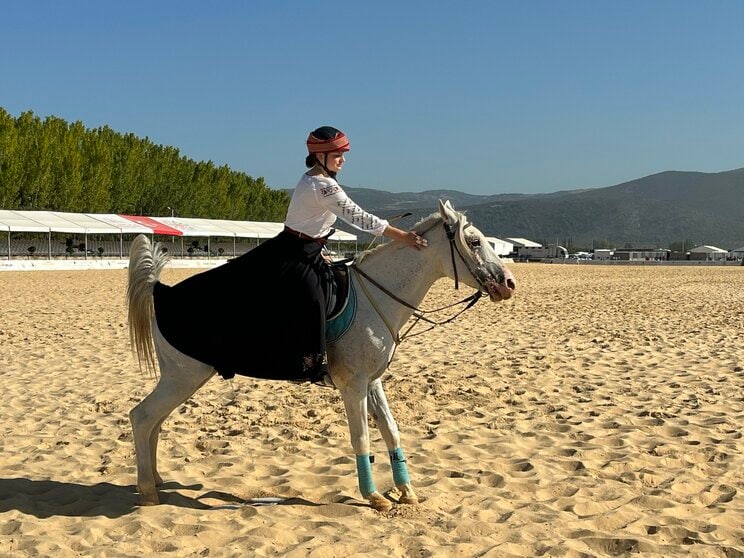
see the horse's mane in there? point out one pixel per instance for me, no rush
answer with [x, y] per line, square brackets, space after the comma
[427, 222]
[423, 225]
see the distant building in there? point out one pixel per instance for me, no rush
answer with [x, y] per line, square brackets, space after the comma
[603, 254]
[641, 254]
[523, 243]
[737, 253]
[542, 252]
[525, 249]
[501, 247]
[708, 254]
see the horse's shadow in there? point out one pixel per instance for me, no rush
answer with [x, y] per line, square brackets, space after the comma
[49, 498]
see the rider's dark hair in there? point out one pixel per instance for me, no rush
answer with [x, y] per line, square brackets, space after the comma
[310, 160]
[326, 133]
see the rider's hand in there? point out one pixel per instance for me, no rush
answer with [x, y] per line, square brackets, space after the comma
[416, 241]
[409, 238]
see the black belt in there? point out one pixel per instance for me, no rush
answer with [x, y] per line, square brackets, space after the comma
[303, 236]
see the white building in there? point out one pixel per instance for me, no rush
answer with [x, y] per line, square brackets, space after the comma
[708, 254]
[501, 247]
[738, 253]
[523, 243]
[603, 254]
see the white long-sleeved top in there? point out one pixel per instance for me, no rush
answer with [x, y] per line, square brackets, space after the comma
[316, 203]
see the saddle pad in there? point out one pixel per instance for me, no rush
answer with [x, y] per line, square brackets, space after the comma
[338, 326]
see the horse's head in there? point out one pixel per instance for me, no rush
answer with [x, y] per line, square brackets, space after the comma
[472, 260]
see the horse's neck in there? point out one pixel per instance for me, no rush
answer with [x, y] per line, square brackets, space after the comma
[405, 272]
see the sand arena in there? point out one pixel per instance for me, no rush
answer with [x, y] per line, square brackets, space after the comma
[596, 413]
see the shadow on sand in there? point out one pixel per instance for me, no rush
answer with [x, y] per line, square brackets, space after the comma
[49, 498]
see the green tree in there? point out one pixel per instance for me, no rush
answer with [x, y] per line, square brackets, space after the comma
[66, 167]
[98, 154]
[31, 157]
[10, 161]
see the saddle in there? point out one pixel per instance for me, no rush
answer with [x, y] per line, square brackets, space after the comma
[343, 306]
[336, 288]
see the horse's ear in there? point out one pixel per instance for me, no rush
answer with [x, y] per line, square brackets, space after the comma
[447, 212]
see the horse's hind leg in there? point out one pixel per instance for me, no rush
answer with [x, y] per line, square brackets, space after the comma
[180, 377]
[379, 408]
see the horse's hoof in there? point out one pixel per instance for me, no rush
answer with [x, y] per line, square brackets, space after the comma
[379, 502]
[408, 499]
[149, 499]
[407, 495]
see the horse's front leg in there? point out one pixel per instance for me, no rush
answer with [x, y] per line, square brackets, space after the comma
[389, 430]
[355, 401]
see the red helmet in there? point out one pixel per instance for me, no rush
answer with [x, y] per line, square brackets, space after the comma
[327, 139]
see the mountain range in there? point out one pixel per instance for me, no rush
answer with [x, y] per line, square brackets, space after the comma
[654, 211]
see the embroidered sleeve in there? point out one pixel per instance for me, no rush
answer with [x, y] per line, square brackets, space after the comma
[335, 200]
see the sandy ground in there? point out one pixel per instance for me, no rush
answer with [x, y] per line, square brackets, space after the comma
[598, 413]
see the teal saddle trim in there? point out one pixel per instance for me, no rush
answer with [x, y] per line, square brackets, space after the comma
[338, 326]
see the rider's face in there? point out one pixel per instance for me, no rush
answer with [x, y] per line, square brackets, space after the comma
[334, 161]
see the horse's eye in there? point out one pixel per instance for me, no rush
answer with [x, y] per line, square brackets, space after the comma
[474, 242]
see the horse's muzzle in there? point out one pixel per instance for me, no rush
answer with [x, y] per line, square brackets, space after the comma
[503, 287]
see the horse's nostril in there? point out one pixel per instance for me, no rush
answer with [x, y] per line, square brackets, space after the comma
[511, 284]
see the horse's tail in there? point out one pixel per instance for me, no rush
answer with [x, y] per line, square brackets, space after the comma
[145, 264]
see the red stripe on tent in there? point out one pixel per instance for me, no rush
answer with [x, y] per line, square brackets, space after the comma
[156, 226]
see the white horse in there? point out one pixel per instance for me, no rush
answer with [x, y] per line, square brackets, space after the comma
[394, 280]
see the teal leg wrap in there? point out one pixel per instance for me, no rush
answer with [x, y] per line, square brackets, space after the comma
[364, 474]
[400, 471]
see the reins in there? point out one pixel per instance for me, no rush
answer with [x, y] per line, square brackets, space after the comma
[418, 313]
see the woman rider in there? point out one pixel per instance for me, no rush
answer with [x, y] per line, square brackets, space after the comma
[272, 324]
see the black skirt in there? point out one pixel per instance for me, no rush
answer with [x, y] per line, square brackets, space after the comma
[262, 314]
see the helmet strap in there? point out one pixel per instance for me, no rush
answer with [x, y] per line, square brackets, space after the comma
[325, 156]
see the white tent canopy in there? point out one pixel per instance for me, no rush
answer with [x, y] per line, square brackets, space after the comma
[196, 227]
[57, 222]
[118, 222]
[91, 224]
[103, 224]
[342, 236]
[255, 229]
[16, 221]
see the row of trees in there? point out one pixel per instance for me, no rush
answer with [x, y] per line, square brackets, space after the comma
[54, 165]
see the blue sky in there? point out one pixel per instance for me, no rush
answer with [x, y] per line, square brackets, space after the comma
[478, 96]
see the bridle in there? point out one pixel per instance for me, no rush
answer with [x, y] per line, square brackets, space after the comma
[451, 235]
[419, 314]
